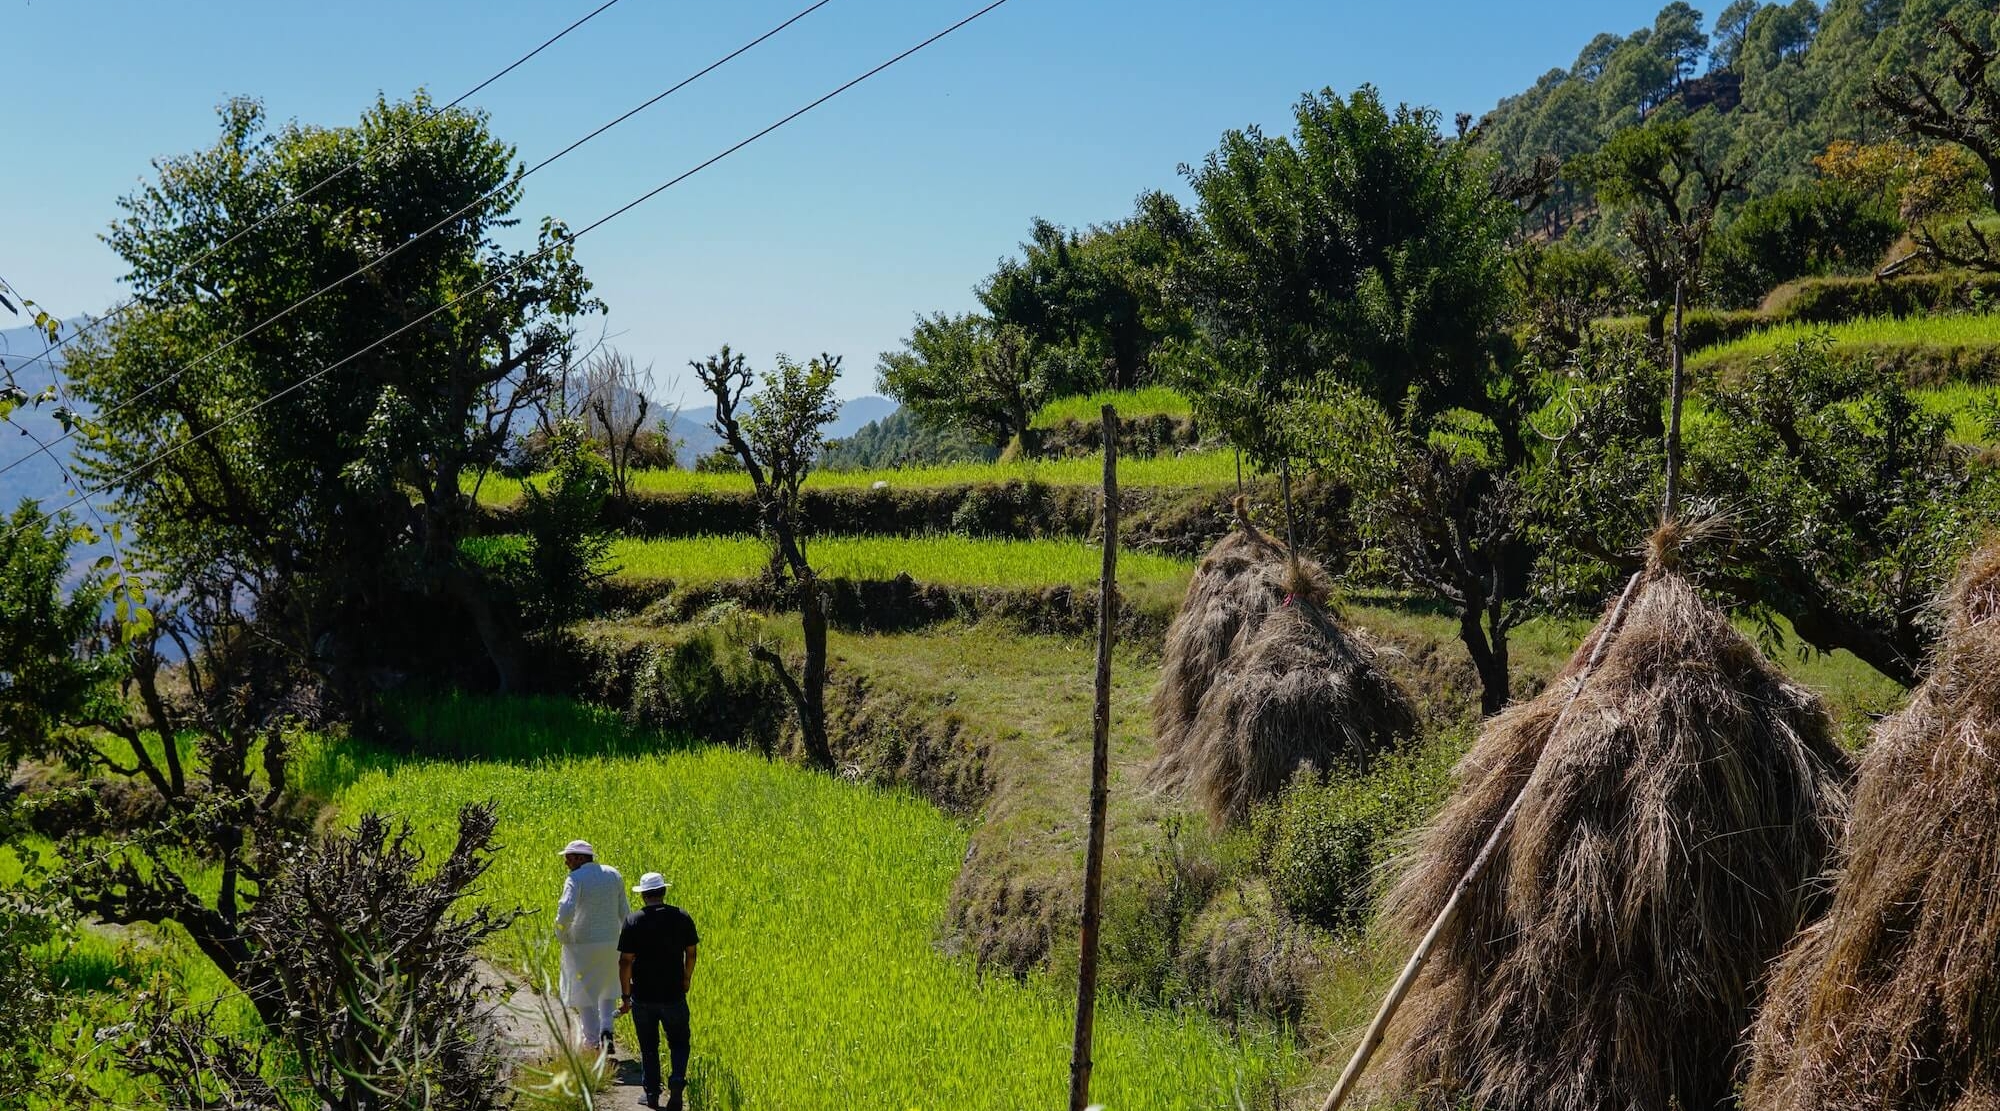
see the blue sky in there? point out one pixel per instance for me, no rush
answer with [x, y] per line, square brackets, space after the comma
[830, 234]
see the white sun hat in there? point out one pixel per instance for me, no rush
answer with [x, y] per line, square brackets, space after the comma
[580, 848]
[650, 882]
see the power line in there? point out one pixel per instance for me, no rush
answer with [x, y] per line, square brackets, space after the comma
[293, 202]
[392, 252]
[614, 214]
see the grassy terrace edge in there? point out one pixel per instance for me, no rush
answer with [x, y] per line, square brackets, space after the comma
[940, 560]
[1936, 334]
[1146, 401]
[1194, 469]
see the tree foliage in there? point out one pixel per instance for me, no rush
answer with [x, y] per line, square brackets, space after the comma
[984, 379]
[1366, 246]
[311, 470]
[1825, 494]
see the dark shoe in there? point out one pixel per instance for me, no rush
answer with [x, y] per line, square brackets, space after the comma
[674, 1100]
[605, 1043]
[652, 1099]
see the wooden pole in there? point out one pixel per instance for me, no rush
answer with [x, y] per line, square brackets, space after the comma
[1677, 391]
[1376, 1029]
[1100, 771]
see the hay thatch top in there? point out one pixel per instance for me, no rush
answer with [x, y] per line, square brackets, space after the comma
[1671, 819]
[1892, 1001]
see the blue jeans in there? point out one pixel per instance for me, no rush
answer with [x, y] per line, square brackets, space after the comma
[647, 1021]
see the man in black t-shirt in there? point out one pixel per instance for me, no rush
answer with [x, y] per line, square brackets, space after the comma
[655, 967]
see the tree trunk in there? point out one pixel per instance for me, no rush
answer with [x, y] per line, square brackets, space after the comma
[812, 713]
[501, 649]
[1489, 659]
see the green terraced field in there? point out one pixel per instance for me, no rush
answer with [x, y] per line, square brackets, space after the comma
[1147, 401]
[819, 901]
[1932, 337]
[1195, 469]
[941, 560]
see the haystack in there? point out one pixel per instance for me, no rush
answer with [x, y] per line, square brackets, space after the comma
[1240, 580]
[1892, 1001]
[1302, 691]
[1609, 955]
[1259, 679]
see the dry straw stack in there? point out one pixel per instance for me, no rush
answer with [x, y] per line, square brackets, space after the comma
[1892, 1001]
[1259, 679]
[1608, 957]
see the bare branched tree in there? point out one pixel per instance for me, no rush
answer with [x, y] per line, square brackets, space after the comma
[1962, 108]
[777, 441]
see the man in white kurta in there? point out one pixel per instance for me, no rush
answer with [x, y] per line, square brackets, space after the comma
[592, 911]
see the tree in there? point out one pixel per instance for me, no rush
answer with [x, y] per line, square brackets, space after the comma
[1830, 496]
[777, 442]
[1668, 181]
[984, 379]
[1678, 37]
[313, 470]
[1368, 246]
[1726, 45]
[1099, 293]
[1961, 108]
[610, 396]
[1347, 284]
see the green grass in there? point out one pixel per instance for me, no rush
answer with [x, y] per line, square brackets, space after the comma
[1147, 401]
[818, 902]
[1194, 469]
[942, 560]
[1935, 334]
[1960, 402]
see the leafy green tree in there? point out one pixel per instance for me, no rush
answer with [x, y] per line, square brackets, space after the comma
[1797, 233]
[1668, 180]
[1349, 284]
[778, 440]
[567, 551]
[1828, 496]
[311, 473]
[986, 380]
[1367, 246]
[1726, 46]
[1101, 293]
[1678, 37]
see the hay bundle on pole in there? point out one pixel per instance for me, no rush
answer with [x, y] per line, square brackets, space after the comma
[1673, 803]
[1240, 580]
[1892, 1001]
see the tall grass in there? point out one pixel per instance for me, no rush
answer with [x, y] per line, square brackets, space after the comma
[1933, 333]
[820, 984]
[944, 560]
[1146, 401]
[1195, 469]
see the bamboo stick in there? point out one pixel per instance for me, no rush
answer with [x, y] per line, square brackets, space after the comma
[1100, 770]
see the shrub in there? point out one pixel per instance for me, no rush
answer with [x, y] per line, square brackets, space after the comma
[1326, 837]
[1818, 230]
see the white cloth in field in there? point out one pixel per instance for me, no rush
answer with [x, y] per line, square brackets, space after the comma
[592, 911]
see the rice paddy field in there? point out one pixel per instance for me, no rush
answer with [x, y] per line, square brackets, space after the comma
[1147, 401]
[1937, 336]
[820, 982]
[943, 560]
[1194, 469]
